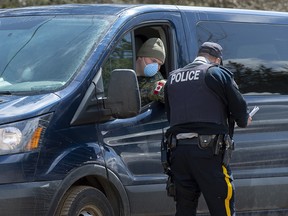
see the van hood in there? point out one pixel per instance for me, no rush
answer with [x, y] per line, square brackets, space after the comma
[14, 108]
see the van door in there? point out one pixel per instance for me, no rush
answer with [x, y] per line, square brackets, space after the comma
[134, 144]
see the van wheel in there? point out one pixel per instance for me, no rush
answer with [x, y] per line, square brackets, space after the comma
[85, 201]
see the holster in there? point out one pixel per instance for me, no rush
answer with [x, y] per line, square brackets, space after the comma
[170, 187]
[218, 147]
[229, 147]
[165, 155]
[166, 146]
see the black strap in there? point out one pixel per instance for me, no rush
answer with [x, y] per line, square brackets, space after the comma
[231, 125]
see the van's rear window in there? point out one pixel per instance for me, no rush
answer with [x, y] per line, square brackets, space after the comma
[256, 53]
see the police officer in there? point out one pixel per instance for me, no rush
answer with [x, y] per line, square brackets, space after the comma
[150, 57]
[200, 98]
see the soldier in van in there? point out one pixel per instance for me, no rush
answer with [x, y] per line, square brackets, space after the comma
[150, 57]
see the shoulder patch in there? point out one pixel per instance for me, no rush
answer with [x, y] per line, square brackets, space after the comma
[160, 84]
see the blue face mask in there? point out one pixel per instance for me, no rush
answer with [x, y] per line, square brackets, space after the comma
[151, 69]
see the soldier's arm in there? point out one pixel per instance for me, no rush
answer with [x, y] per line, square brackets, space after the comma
[156, 91]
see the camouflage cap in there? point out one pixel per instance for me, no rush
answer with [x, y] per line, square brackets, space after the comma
[153, 48]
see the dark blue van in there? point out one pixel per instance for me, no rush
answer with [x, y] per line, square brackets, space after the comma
[74, 139]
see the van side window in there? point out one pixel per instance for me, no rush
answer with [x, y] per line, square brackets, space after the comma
[120, 58]
[124, 55]
[256, 54]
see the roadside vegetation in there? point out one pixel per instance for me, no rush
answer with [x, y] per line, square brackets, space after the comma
[273, 5]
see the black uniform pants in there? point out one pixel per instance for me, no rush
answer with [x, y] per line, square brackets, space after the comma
[197, 171]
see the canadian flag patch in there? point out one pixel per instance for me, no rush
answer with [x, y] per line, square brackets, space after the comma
[158, 88]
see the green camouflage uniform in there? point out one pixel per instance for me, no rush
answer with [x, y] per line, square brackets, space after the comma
[151, 88]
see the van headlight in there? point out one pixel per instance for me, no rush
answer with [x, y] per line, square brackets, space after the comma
[22, 136]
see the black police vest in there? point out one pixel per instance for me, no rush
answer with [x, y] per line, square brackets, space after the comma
[191, 100]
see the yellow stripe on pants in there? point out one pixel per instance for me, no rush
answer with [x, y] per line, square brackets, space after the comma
[229, 192]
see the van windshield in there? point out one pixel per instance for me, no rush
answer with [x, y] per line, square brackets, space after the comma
[43, 53]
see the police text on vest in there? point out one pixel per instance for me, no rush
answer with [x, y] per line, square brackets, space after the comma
[185, 76]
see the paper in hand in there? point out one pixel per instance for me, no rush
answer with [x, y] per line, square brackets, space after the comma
[255, 109]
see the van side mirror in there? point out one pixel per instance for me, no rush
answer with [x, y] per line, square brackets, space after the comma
[122, 101]
[123, 97]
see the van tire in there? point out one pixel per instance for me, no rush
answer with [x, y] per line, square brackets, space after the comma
[85, 200]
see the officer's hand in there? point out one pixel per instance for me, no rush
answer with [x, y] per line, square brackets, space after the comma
[249, 120]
